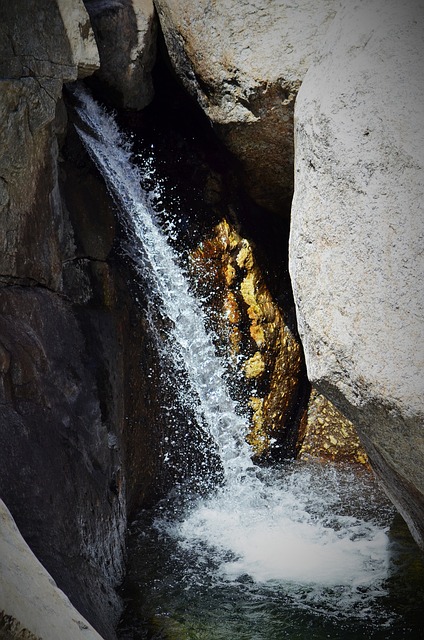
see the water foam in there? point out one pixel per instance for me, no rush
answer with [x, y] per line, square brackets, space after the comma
[302, 530]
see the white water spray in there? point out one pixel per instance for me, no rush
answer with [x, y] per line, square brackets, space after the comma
[155, 259]
[275, 529]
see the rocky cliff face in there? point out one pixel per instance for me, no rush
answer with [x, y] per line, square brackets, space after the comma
[357, 233]
[71, 337]
[244, 63]
[65, 410]
[60, 471]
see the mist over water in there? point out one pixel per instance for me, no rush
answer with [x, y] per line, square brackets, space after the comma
[302, 537]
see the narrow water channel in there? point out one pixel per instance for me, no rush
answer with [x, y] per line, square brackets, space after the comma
[299, 550]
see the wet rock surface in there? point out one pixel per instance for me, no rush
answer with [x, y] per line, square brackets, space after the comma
[261, 344]
[61, 465]
[61, 472]
[287, 419]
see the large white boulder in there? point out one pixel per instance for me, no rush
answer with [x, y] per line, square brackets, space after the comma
[243, 61]
[31, 605]
[357, 238]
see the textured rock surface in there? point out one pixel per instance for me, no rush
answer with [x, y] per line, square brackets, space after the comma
[39, 50]
[84, 51]
[117, 338]
[61, 401]
[36, 608]
[244, 62]
[50, 41]
[356, 254]
[286, 419]
[126, 37]
[61, 471]
[264, 349]
[326, 434]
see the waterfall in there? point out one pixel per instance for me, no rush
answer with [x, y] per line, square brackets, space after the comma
[188, 344]
[295, 526]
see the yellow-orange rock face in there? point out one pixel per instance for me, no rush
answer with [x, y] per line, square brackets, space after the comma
[246, 314]
[326, 433]
[266, 354]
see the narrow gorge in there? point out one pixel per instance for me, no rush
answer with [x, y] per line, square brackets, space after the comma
[211, 328]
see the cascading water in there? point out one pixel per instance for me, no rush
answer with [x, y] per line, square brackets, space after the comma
[192, 347]
[270, 553]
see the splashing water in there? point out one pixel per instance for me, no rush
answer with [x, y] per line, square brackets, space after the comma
[155, 261]
[320, 532]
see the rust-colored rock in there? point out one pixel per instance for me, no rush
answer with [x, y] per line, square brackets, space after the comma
[267, 356]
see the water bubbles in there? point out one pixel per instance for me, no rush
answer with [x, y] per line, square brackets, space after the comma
[284, 529]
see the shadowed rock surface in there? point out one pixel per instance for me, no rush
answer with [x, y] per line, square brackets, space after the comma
[125, 32]
[38, 52]
[244, 62]
[61, 473]
[61, 464]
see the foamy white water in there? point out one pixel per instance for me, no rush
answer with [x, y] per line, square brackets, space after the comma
[154, 258]
[318, 532]
[291, 528]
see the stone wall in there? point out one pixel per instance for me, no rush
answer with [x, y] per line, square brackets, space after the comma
[243, 62]
[357, 235]
[61, 340]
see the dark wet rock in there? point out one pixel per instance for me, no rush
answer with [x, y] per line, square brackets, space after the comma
[61, 473]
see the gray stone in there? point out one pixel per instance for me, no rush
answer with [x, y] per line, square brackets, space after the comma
[42, 45]
[244, 61]
[356, 246]
[59, 402]
[79, 32]
[125, 31]
[31, 227]
[31, 605]
[46, 39]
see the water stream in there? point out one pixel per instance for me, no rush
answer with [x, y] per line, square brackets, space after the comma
[296, 551]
